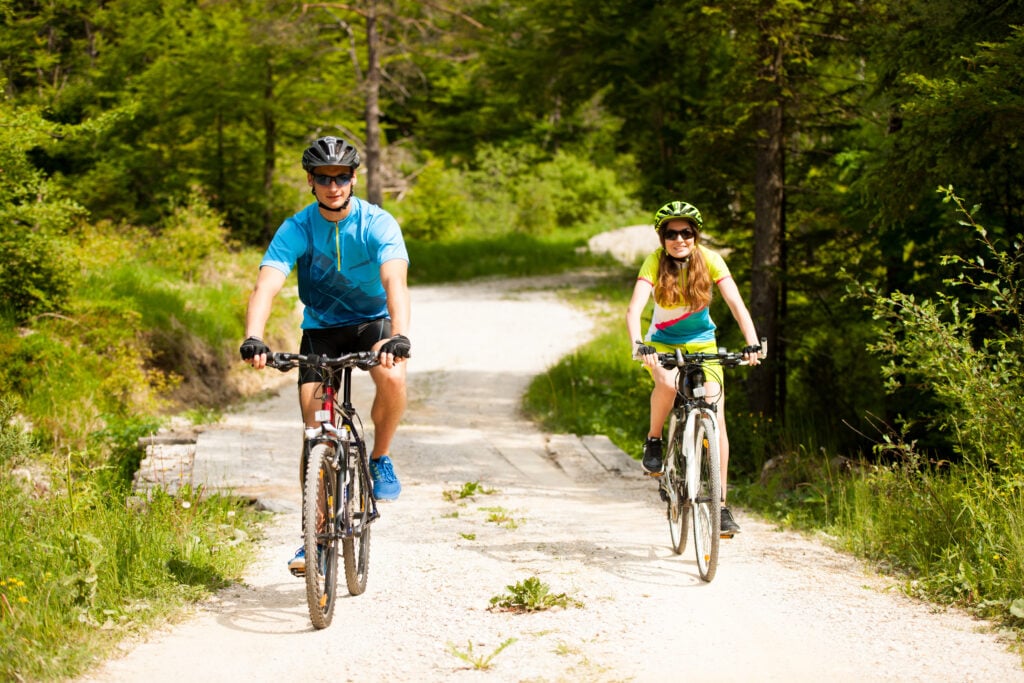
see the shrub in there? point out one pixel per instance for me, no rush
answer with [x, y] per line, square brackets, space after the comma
[36, 263]
[436, 207]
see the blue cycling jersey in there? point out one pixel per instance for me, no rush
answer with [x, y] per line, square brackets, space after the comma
[338, 264]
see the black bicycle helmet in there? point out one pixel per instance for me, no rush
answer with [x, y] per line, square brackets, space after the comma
[329, 151]
[674, 210]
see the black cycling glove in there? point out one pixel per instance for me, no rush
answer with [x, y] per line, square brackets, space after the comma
[252, 347]
[756, 348]
[640, 349]
[398, 346]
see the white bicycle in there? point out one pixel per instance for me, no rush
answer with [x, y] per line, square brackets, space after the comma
[692, 481]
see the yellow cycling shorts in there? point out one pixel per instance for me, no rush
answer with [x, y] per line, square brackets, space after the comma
[712, 371]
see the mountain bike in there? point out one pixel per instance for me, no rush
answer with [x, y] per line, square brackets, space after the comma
[692, 482]
[337, 491]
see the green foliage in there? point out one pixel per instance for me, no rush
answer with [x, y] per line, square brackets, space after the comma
[964, 348]
[514, 189]
[82, 568]
[479, 662]
[532, 595]
[469, 490]
[955, 527]
[191, 240]
[37, 269]
[436, 206]
[16, 443]
[500, 516]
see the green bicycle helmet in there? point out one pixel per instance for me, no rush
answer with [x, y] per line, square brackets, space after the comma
[674, 210]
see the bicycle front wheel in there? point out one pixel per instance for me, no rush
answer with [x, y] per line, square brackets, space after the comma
[359, 508]
[319, 530]
[707, 516]
[674, 486]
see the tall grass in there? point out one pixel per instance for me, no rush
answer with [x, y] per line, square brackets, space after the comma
[81, 569]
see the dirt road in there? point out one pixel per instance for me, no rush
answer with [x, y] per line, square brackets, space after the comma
[781, 608]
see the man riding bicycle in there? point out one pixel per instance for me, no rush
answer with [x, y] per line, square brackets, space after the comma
[352, 268]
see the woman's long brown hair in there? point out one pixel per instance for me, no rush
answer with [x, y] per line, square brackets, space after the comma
[671, 292]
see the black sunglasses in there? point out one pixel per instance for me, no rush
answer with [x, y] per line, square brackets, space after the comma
[342, 179]
[685, 233]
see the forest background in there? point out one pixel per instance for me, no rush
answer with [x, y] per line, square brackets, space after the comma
[860, 162]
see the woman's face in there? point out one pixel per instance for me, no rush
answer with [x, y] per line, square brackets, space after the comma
[679, 237]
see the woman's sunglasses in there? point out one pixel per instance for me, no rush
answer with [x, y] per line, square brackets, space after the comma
[685, 234]
[342, 179]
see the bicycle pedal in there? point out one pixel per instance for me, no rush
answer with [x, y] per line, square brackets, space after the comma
[298, 573]
[653, 474]
[727, 534]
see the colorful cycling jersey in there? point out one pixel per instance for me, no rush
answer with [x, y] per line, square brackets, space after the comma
[682, 325]
[338, 264]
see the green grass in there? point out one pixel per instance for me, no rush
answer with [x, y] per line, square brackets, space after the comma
[479, 662]
[469, 490]
[505, 255]
[81, 569]
[597, 389]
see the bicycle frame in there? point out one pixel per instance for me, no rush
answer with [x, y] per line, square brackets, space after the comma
[337, 427]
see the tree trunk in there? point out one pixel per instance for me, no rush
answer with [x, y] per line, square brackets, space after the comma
[374, 191]
[769, 198]
[269, 152]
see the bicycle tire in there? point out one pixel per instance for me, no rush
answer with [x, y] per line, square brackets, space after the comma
[355, 548]
[678, 510]
[320, 538]
[707, 516]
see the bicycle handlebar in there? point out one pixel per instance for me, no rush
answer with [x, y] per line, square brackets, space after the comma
[729, 359]
[364, 360]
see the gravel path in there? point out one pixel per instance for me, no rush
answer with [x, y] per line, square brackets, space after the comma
[781, 608]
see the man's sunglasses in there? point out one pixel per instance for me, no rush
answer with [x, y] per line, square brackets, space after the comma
[342, 179]
[685, 233]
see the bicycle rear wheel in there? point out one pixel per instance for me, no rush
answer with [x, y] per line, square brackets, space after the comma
[319, 528]
[359, 506]
[674, 484]
[707, 516]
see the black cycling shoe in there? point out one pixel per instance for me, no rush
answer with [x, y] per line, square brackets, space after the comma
[729, 526]
[652, 462]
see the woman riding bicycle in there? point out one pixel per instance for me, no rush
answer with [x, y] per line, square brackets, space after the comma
[680, 274]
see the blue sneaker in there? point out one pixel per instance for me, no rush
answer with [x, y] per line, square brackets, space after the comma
[385, 483]
[297, 565]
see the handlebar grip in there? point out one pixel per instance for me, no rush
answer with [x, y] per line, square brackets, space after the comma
[764, 348]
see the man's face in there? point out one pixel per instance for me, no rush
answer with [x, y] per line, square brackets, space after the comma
[332, 184]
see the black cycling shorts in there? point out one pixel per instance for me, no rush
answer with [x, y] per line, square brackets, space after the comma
[335, 341]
